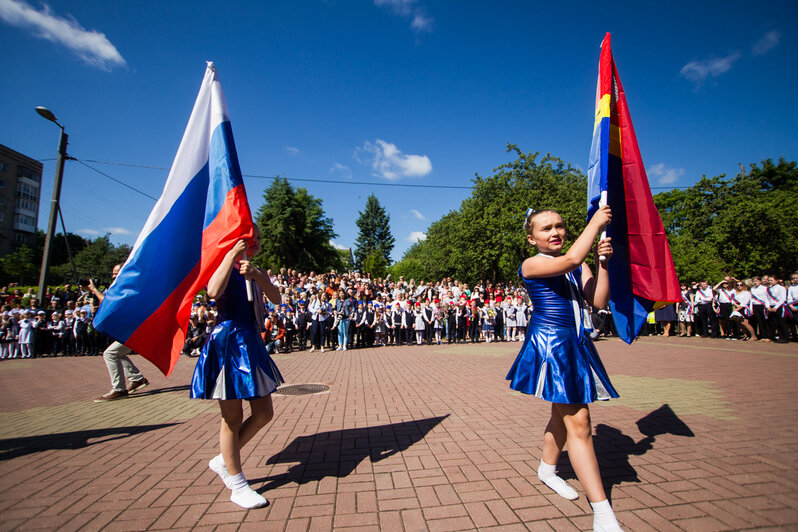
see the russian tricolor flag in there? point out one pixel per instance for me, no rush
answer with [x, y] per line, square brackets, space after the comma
[202, 213]
[642, 274]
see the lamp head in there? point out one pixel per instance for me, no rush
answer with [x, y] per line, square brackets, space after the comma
[47, 114]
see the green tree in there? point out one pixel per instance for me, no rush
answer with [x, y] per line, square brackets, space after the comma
[97, 259]
[59, 255]
[742, 226]
[18, 267]
[375, 264]
[375, 233]
[411, 264]
[295, 233]
[485, 239]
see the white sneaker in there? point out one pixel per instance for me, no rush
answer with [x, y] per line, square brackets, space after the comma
[217, 466]
[344, 348]
[312, 349]
[561, 487]
[248, 498]
[321, 349]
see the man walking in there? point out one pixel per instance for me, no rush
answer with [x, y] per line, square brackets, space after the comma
[119, 364]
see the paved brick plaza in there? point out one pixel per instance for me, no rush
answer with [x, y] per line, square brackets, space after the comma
[704, 437]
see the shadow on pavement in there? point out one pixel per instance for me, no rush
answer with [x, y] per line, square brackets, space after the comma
[613, 447]
[155, 391]
[337, 453]
[15, 447]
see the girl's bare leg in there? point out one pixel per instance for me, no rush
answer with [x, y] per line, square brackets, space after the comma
[576, 419]
[553, 441]
[236, 432]
[748, 328]
[554, 438]
[229, 434]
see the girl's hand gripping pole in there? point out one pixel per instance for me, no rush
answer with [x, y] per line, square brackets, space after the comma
[248, 282]
[602, 203]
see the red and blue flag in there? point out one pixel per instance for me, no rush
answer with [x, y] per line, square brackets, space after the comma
[641, 271]
[201, 214]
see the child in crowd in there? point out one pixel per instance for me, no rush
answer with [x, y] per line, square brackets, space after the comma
[234, 366]
[420, 323]
[25, 337]
[520, 319]
[558, 361]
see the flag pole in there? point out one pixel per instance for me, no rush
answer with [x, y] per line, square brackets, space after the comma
[602, 203]
[250, 293]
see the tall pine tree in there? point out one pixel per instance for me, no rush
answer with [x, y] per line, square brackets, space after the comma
[375, 233]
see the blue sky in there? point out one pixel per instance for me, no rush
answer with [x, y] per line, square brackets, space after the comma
[386, 91]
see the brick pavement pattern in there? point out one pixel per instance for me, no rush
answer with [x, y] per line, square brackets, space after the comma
[704, 437]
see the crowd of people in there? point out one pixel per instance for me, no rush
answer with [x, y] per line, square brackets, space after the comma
[61, 327]
[350, 311]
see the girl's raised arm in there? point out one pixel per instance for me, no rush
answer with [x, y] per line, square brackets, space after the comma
[218, 281]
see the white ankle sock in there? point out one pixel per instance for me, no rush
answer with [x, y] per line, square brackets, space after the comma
[243, 495]
[217, 466]
[547, 475]
[604, 518]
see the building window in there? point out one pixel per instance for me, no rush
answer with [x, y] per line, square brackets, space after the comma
[24, 219]
[27, 172]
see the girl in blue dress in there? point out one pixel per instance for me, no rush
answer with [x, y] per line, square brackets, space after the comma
[234, 365]
[558, 362]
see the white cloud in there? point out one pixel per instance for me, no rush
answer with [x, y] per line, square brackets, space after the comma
[416, 236]
[389, 162]
[337, 246]
[769, 41]
[664, 174]
[421, 23]
[118, 231]
[417, 214]
[91, 46]
[408, 9]
[291, 150]
[698, 71]
[93, 232]
[341, 170]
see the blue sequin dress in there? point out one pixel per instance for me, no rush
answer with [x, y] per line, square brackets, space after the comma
[234, 363]
[558, 362]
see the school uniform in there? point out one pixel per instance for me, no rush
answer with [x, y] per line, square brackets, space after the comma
[473, 324]
[302, 320]
[290, 332]
[368, 328]
[25, 338]
[56, 328]
[725, 300]
[792, 300]
[408, 324]
[451, 325]
[80, 331]
[778, 312]
[704, 299]
[759, 304]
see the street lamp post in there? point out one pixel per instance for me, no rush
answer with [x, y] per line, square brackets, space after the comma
[59, 174]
